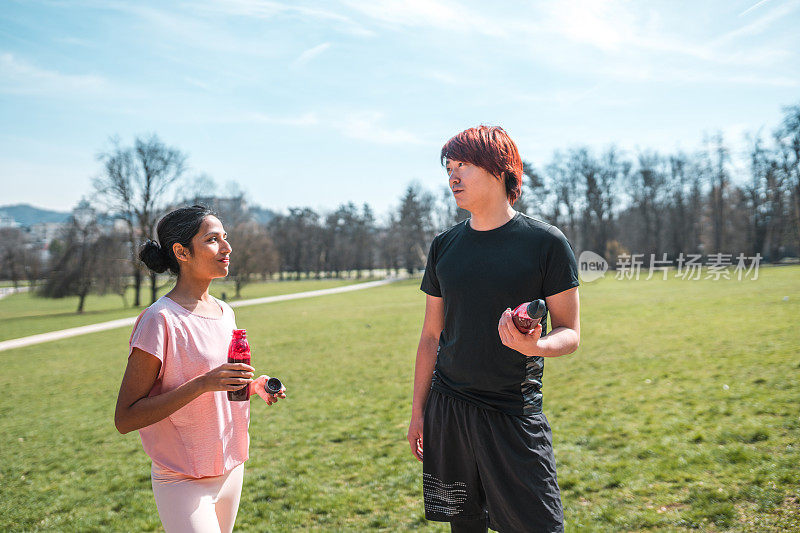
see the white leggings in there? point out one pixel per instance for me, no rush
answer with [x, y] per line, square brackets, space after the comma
[197, 505]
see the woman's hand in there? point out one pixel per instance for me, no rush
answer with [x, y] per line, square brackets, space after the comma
[259, 386]
[227, 377]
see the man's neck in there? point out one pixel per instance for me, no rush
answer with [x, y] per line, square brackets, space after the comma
[488, 219]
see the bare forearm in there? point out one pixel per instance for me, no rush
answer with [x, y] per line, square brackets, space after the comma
[560, 341]
[149, 410]
[423, 373]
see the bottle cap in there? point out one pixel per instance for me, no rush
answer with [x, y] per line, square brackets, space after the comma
[240, 333]
[274, 385]
[537, 309]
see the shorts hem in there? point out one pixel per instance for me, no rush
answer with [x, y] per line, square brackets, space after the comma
[493, 524]
[444, 518]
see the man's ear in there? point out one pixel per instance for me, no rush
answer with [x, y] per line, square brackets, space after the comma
[181, 252]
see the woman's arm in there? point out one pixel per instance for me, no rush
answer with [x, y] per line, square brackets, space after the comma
[423, 370]
[136, 410]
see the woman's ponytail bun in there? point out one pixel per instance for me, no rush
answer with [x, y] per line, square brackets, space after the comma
[152, 255]
[177, 227]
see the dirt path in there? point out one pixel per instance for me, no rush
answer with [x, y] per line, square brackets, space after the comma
[123, 322]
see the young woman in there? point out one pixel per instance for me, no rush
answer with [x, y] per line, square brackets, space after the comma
[174, 390]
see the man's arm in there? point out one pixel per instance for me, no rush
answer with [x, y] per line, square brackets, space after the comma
[565, 337]
[423, 370]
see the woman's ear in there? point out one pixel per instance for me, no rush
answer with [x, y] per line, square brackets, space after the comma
[181, 252]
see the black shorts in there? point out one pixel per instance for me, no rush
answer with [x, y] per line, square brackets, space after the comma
[478, 461]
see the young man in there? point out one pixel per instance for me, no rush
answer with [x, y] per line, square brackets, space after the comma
[487, 449]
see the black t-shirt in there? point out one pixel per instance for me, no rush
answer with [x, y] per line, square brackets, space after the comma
[479, 274]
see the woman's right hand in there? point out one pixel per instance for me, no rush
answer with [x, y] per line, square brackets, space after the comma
[228, 377]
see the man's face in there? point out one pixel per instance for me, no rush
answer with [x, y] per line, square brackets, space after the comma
[472, 186]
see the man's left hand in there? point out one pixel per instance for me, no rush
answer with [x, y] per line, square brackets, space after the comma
[525, 343]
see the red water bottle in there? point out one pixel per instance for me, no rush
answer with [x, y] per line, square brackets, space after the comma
[239, 352]
[526, 316]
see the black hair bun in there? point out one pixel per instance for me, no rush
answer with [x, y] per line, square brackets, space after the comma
[152, 255]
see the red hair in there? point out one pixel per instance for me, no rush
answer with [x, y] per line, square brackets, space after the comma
[490, 148]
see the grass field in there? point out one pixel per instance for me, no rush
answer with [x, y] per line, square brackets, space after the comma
[27, 314]
[679, 412]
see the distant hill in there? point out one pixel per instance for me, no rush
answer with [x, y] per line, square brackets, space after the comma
[27, 215]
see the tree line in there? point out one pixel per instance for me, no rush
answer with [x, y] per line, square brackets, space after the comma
[612, 203]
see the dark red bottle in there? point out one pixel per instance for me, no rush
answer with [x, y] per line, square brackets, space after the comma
[239, 352]
[527, 315]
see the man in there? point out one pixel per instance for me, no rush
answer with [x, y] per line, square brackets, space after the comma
[487, 448]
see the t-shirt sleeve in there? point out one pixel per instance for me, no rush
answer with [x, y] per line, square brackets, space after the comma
[430, 282]
[560, 266]
[150, 334]
[227, 309]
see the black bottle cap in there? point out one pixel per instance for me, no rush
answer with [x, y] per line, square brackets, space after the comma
[537, 309]
[274, 385]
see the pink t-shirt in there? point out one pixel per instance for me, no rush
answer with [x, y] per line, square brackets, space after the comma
[208, 436]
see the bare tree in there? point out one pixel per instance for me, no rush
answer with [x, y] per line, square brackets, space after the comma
[415, 228]
[446, 212]
[679, 229]
[647, 192]
[788, 140]
[135, 183]
[564, 186]
[89, 261]
[534, 192]
[717, 158]
[299, 239]
[364, 235]
[253, 253]
[12, 255]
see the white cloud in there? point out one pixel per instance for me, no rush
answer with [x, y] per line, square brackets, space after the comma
[310, 54]
[758, 26]
[613, 39]
[18, 76]
[367, 126]
[754, 6]
[440, 14]
[254, 117]
[266, 9]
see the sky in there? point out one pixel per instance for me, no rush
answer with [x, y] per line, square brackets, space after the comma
[322, 103]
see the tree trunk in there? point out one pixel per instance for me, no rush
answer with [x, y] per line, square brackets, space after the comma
[81, 300]
[153, 288]
[137, 287]
[238, 286]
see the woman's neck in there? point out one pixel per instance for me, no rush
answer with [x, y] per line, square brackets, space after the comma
[189, 289]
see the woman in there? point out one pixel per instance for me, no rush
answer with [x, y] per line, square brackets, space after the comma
[174, 387]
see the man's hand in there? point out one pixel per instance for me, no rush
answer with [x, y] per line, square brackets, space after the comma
[525, 343]
[259, 386]
[415, 436]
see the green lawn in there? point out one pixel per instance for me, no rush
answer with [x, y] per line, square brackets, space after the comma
[678, 412]
[27, 314]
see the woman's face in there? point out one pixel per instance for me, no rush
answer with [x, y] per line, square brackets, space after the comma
[209, 256]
